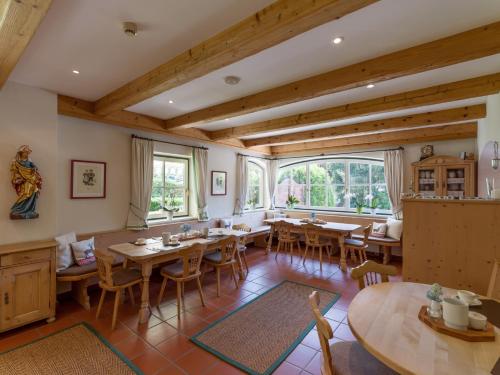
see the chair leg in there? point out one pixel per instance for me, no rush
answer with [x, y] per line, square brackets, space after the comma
[115, 309]
[305, 255]
[162, 290]
[291, 251]
[245, 261]
[182, 289]
[277, 250]
[131, 295]
[217, 272]
[200, 290]
[233, 269]
[320, 249]
[299, 247]
[101, 301]
[179, 299]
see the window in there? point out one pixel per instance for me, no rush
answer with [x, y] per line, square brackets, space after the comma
[255, 195]
[170, 187]
[334, 184]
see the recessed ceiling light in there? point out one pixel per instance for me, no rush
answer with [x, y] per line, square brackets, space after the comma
[76, 72]
[370, 86]
[171, 102]
[338, 40]
[232, 80]
[226, 119]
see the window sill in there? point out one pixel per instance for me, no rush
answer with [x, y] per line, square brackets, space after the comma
[340, 213]
[262, 209]
[157, 222]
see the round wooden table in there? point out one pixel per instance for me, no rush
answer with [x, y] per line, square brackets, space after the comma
[384, 319]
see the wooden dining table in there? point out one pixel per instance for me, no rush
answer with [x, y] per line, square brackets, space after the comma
[384, 319]
[155, 253]
[336, 230]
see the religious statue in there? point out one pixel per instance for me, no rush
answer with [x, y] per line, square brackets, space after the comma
[27, 182]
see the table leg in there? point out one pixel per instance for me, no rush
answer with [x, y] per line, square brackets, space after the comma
[343, 263]
[387, 254]
[270, 241]
[144, 311]
[240, 265]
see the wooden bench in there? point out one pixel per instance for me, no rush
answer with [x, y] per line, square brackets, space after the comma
[385, 244]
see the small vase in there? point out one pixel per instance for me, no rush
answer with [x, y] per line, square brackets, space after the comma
[359, 210]
[435, 309]
[170, 215]
[373, 211]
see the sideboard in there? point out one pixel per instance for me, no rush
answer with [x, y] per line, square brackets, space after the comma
[451, 242]
[27, 283]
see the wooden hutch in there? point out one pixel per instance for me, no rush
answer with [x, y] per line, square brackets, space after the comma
[444, 176]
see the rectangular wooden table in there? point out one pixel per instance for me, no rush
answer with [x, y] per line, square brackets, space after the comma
[332, 229]
[149, 255]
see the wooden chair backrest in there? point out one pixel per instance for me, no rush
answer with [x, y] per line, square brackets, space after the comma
[366, 233]
[104, 267]
[370, 273]
[191, 259]
[284, 230]
[494, 285]
[325, 333]
[243, 227]
[312, 233]
[228, 247]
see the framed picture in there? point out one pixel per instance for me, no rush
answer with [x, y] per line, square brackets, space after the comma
[88, 179]
[219, 183]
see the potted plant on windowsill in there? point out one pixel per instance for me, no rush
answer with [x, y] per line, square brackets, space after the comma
[253, 201]
[291, 201]
[372, 203]
[358, 202]
[171, 208]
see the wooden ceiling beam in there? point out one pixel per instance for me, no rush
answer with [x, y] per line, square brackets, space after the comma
[427, 134]
[472, 44]
[19, 20]
[466, 89]
[83, 109]
[446, 116]
[270, 26]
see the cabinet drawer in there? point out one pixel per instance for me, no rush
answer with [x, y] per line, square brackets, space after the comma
[24, 257]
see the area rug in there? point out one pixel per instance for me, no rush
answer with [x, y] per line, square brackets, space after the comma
[78, 350]
[258, 336]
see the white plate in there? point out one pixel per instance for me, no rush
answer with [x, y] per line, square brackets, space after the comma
[476, 302]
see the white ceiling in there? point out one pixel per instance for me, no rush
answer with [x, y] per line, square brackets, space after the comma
[86, 35]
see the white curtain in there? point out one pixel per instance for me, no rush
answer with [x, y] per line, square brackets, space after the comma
[241, 184]
[200, 158]
[393, 171]
[272, 181]
[141, 183]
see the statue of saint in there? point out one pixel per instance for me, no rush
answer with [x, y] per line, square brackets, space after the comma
[27, 182]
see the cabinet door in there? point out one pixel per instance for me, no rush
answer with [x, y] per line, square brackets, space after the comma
[25, 294]
[427, 180]
[455, 180]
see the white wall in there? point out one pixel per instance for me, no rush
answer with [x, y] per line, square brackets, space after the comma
[28, 116]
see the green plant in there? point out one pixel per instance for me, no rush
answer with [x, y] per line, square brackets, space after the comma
[373, 201]
[359, 203]
[435, 293]
[253, 201]
[292, 200]
[172, 203]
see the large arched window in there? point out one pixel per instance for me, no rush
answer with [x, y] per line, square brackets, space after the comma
[255, 194]
[334, 184]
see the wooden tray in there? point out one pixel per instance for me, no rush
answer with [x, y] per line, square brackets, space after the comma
[469, 335]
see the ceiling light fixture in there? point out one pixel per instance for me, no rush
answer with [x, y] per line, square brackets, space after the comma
[130, 29]
[370, 86]
[171, 102]
[76, 72]
[232, 80]
[338, 40]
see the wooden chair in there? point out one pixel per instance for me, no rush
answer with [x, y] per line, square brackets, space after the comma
[343, 358]
[358, 247]
[224, 258]
[494, 285]
[242, 249]
[314, 241]
[116, 281]
[286, 239]
[187, 269]
[372, 273]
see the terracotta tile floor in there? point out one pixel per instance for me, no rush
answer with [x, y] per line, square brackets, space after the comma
[162, 345]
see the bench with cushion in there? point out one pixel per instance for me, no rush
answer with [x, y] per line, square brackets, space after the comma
[385, 244]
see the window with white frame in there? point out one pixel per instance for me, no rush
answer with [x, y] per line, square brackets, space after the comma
[334, 184]
[170, 187]
[255, 194]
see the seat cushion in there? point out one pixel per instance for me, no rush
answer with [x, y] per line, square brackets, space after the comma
[377, 239]
[353, 242]
[124, 276]
[215, 257]
[174, 269]
[77, 270]
[350, 358]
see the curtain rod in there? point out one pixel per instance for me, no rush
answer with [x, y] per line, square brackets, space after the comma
[312, 156]
[172, 143]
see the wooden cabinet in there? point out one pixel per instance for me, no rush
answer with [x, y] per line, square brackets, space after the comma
[27, 283]
[445, 176]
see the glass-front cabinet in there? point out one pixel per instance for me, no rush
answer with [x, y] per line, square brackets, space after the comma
[444, 176]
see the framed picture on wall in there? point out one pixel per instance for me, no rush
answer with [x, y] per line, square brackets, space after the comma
[219, 183]
[88, 179]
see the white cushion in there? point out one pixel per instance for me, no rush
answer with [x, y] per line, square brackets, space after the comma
[394, 228]
[64, 258]
[226, 222]
[83, 251]
[379, 230]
